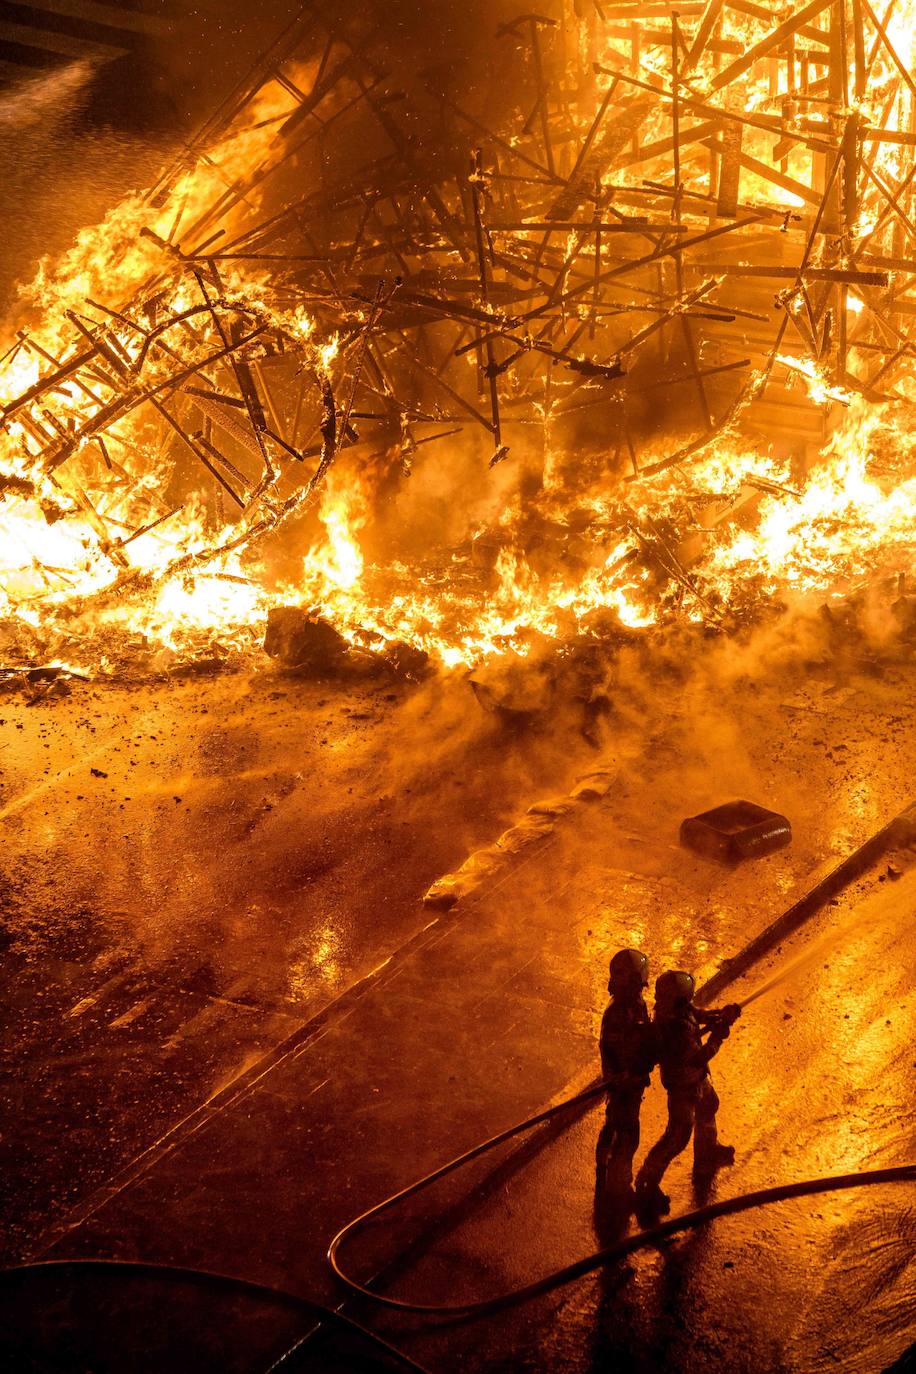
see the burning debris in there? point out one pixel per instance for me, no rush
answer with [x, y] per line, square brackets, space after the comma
[300, 640]
[205, 401]
[304, 640]
[41, 683]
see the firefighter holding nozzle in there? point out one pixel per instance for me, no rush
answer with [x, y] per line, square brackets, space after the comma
[687, 1039]
[628, 1056]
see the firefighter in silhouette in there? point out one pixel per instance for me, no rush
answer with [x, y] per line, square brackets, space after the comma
[684, 1056]
[628, 1057]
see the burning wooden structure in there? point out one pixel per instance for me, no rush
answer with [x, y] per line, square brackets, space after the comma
[661, 276]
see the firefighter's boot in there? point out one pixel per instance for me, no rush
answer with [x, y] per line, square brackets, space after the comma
[709, 1161]
[650, 1203]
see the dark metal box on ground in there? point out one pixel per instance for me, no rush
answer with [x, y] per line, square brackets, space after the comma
[738, 830]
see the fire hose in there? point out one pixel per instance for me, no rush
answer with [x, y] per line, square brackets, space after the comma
[762, 1197]
[688, 1221]
[211, 1278]
[651, 1236]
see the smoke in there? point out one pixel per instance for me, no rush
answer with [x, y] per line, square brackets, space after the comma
[57, 174]
[710, 708]
[451, 492]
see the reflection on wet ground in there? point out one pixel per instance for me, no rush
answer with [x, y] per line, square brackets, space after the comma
[817, 1078]
[78, 135]
[56, 174]
[191, 872]
[224, 873]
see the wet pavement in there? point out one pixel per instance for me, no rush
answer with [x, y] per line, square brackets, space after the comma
[238, 1093]
[817, 1079]
[193, 872]
[95, 127]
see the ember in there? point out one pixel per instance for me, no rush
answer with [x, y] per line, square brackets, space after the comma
[212, 400]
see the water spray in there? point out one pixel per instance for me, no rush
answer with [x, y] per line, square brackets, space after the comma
[858, 1178]
[829, 939]
[783, 974]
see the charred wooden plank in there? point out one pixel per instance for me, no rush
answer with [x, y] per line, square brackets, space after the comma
[198, 454]
[834, 274]
[729, 148]
[772, 40]
[594, 157]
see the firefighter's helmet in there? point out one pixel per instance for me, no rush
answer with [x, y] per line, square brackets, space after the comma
[629, 971]
[673, 992]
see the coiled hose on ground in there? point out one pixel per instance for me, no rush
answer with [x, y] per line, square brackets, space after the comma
[903, 1173]
[688, 1221]
[464, 1311]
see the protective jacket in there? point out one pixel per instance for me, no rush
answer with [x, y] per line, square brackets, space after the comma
[682, 1054]
[627, 1043]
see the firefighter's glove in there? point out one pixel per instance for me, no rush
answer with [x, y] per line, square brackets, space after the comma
[725, 1019]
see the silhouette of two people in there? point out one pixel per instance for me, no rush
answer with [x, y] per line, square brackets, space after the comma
[681, 1039]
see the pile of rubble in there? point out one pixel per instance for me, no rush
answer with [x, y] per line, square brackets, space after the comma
[303, 639]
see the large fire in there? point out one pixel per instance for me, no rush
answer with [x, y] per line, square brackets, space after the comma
[178, 389]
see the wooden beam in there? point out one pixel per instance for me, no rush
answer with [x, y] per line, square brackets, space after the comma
[705, 27]
[728, 147]
[770, 41]
[834, 274]
[892, 51]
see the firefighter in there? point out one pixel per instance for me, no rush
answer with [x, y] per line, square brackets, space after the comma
[628, 1057]
[684, 1057]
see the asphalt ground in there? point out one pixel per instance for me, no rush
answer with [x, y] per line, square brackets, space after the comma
[122, 1142]
[816, 1079]
[194, 871]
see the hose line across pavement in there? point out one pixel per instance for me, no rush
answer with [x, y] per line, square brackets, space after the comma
[900, 830]
[212, 1278]
[688, 1221]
